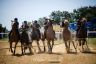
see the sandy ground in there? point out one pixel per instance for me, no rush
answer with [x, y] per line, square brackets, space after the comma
[59, 55]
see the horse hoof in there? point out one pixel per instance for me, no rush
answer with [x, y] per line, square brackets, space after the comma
[11, 51]
[50, 52]
[22, 53]
[14, 54]
[31, 53]
[44, 51]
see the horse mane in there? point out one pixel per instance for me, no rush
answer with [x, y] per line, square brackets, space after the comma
[14, 26]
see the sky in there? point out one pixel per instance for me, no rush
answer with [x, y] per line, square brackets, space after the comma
[34, 9]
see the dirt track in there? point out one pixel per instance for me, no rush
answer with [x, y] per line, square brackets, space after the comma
[59, 56]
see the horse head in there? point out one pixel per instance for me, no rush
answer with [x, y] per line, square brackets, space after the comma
[66, 23]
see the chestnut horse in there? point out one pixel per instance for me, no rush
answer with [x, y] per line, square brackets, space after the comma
[67, 36]
[50, 36]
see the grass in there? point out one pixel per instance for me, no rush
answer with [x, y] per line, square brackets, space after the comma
[92, 41]
[4, 39]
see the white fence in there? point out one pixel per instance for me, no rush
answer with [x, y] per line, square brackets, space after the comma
[2, 34]
[58, 34]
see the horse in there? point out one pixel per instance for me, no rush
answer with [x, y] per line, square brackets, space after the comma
[14, 37]
[50, 36]
[35, 37]
[25, 43]
[67, 37]
[81, 38]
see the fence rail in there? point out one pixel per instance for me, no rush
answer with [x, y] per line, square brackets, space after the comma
[3, 34]
[58, 34]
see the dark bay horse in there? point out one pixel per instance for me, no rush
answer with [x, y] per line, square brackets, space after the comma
[35, 37]
[67, 36]
[14, 37]
[81, 33]
[25, 43]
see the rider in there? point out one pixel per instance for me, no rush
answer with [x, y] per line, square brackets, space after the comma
[25, 25]
[15, 22]
[37, 27]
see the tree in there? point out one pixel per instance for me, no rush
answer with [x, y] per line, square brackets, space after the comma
[58, 15]
[89, 12]
[41, 21]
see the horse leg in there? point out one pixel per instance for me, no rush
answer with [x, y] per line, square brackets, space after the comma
[52, 44]
[15, 47]
[50, 47]
[74, 46]
[44, 46]
[66, 46]
[82, 46]
[11, 47]
[30, 48]
[79, 43]
[69, 45]
[22, 48]
[86, 44]
[38, 46]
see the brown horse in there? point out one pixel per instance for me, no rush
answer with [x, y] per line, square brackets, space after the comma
[67, 36]
[50, 36]
[14, 37]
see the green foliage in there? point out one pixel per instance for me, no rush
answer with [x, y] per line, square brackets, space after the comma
[41, 21]
[89, 12]
[57, 16]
